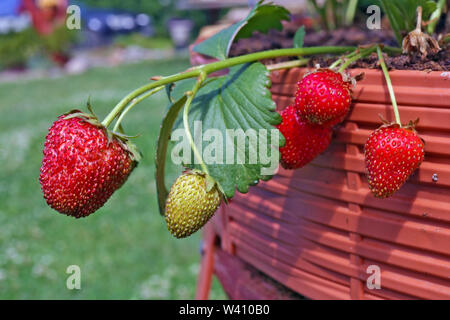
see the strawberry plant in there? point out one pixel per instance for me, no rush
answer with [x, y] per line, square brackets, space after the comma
[393, 151]
[85, 160]
[335, 13]
[402, 15]
[418, 42]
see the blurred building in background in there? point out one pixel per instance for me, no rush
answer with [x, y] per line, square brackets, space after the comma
[100, 25]
[36, 28]
[46, 15]
[292, 5]
[11, 19]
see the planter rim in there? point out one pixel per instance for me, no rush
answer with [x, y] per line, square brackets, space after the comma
[444, 74]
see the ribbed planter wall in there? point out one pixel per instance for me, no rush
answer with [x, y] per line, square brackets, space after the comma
[316, 230]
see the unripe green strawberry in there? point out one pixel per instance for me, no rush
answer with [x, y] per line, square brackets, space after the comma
[189, 205]
[392, 154]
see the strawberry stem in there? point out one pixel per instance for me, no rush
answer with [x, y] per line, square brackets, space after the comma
[187, 106]
[288, 64]
[343, 59]
[134, 102]
[419, 19]
[195, 72]
[389, 85]
[362, 54]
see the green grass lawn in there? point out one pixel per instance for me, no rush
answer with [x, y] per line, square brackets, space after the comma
[124, 250]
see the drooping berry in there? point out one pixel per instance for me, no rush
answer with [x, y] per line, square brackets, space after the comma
[323, 97]
[392, 154]
[82, 166]
[304, 141]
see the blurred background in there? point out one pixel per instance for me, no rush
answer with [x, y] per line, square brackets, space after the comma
[46, 69]
[124, 250]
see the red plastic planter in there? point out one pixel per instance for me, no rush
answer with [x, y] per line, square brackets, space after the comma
[316, 230]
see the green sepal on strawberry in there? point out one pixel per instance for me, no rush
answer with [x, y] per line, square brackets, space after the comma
[392, 154]
[304, 141]
[323, 97]
[83, 164]
[120, 137]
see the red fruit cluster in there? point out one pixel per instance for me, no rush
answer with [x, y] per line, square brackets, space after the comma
[82, 166]
[304, 141]
[323, 97]
[322, 100]
[392, 154]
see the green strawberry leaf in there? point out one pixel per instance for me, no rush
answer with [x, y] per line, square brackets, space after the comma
[408, 9]
[262, 17]
[232, 105]
[402, 14]
[395, 18]
[299, 37]
[428, 8]
[161, 150]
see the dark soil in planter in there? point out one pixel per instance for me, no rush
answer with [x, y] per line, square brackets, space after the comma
[342, 37]
[438, 62]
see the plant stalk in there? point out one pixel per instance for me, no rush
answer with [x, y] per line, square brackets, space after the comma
[362, 54]
[435, 16]
[342, 60]
[350, 12]
[387, 6]
[134, 102]
[187, 106]
[330, 9]
[389, 85]
[419, 19]
[195, 72]
[287, 64]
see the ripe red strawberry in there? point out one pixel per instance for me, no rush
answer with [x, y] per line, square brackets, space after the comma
[304, 141]
[323, 97]
[82, 165]
[392, 154]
